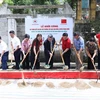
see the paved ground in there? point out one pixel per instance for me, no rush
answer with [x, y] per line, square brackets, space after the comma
[59, 66]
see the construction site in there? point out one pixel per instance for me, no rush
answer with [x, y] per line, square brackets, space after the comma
[47, 74]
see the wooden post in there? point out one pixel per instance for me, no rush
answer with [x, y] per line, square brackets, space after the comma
[92, 12]
[79, 10]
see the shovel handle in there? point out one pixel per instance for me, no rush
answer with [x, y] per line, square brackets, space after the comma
[51, 56]
[77, 55]
[52, 53]
[98, 76]
[35, 59]
[61, 54]
[25, 55]
[12, 52]
[92, 62]
[94, 65]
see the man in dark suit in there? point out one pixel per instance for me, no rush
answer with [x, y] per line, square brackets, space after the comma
[48, 48]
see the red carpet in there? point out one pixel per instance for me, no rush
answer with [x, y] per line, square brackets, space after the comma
[48, 74]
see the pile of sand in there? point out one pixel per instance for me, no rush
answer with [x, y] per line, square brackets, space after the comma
[37, 84]
[23, 84]
[0, 82]
[66, 85]
[6, 82]
[94, 84]
[50, 85]
[81, 85]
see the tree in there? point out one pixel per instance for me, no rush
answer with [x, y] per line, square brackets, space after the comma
[46, 2]
[95, 24]
[19, 2]
[32, 2]
[10, 2]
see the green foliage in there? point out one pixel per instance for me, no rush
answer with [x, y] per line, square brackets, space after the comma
[31, 2]
[46, 2]
[10, 2]
[95, 24]
[22, 2]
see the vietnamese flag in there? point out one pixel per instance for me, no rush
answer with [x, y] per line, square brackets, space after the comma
[63, 21]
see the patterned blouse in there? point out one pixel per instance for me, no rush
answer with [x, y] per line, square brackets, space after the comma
[91, 47]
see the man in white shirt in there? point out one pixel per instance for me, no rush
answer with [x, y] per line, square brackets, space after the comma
[16, 46]
[3, 54]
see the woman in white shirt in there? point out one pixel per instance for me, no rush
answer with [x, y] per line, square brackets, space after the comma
[16, 46]
[3, 54]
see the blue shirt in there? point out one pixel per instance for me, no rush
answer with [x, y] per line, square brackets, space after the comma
[79, 43]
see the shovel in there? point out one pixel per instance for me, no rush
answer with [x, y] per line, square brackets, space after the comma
[48, 66]
[24, 83]
[65, 67]
[11, 65]
[20, 65]
[82, 67]
[98, 75]
[35, 60]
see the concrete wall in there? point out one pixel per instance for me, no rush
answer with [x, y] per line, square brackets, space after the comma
[20, 30]
[4, 10]
[4, 29]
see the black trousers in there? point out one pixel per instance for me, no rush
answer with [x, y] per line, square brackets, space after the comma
[17, 58]
[98, 59]
[47, 56]
[4, 60]
[66, 57]
[25, 64]
[37, 64]
[90, 65]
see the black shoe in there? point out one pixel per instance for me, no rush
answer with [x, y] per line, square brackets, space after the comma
[14, 67]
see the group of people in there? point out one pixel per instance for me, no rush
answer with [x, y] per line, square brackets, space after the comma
[30, 51]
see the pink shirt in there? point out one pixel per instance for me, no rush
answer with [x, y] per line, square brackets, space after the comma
[25, 45]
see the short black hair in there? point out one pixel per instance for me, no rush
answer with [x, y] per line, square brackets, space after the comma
[76, 33]
[0, 38]
[13, 32]
[26, 36]
[92, 39]
[65, 34]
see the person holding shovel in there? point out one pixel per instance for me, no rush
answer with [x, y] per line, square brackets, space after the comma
[35, 49]
[3, 54]
[48, 48]
[91, 50]
[78, 44]
[26, 44]
[97, 38]
[16, 47]
[66, 45]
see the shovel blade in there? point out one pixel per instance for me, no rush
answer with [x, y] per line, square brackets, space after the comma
[47, 66]
[81, 68]
[65, 67]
